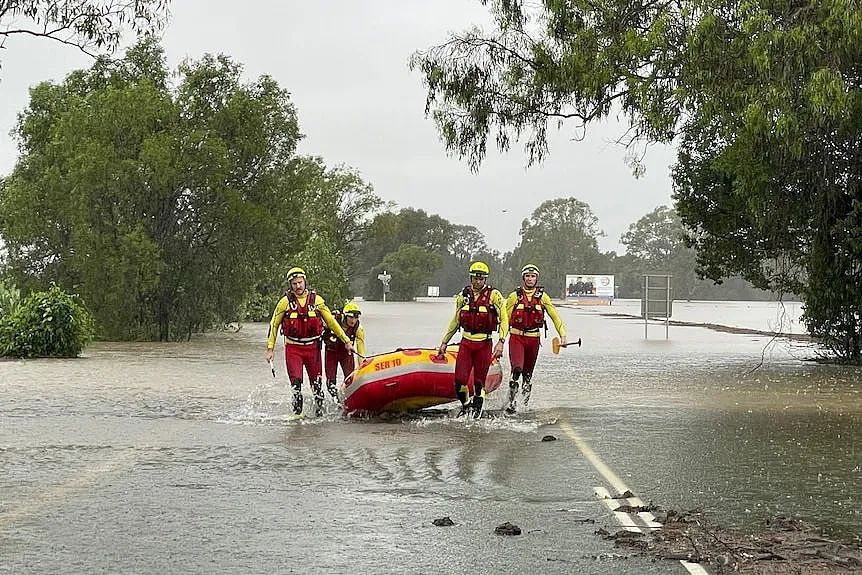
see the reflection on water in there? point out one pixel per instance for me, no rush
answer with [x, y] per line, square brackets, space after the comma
[185, 450]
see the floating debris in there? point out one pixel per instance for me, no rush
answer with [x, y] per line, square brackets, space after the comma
[787, 546]
[606, 557]
[507, 529]
[443, 522]
[622, 534]
[637, 508]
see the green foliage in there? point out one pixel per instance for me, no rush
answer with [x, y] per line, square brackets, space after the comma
[763, 98]
[834, 296]
[453, 245]
[10, 297]
[453, 273]
[767, 180]
[389, 232]
[411, 268]
[326, 221]
[560, 236]
[161, 205]
[92, 26]
[565, 61]
[465, 245]
[655, 238]
[656, 243]
[258, 307]
[46, 324]
[334, 221]
[326, 268]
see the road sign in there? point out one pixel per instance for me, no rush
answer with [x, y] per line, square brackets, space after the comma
[384, 279]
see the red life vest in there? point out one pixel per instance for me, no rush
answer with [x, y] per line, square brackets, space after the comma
[529, 313]
[329, 336]
[478, 314]
[302, 323]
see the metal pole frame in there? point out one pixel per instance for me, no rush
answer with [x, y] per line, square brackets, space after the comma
[667, 309]
[646, 306]
[647, 310]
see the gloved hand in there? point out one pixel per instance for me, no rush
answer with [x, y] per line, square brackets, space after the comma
[498, 350]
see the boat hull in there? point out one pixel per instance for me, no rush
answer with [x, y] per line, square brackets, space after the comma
[407, 380]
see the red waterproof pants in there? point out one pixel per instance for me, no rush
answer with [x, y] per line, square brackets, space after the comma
[523, 351]
[298, 356]
[475, 355]
[337, 355]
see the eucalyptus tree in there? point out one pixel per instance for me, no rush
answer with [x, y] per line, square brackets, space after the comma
[656, 242]
[560, 237]
[763, 100]
[92, 26]
[331, 211]
[389, 232]
[161, 206]
[411, 268]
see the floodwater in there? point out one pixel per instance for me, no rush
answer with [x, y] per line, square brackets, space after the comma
[178, 458]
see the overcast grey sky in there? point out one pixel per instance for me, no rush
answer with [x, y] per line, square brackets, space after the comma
[345, 64]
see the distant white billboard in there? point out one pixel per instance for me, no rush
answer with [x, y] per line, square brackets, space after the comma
[594, 288]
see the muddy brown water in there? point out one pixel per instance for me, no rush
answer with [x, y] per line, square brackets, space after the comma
[178, 458]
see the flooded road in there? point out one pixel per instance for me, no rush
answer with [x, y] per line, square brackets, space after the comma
[178, 458]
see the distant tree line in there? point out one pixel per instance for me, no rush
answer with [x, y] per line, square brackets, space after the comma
[561, 237]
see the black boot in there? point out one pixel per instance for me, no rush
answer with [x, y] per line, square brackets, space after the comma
[333, 390]
[478, 402]
[513, 396]
[317, 390]
[296, 385]
[463, 395]
[527, 388]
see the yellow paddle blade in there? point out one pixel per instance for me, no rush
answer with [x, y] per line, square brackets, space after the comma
[555, 345]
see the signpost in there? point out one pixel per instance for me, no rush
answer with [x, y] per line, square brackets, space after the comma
[384, 279]
[657, 301]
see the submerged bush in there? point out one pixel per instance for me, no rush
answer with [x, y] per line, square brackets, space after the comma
[259, 307]
[10, 297]
[47, 324]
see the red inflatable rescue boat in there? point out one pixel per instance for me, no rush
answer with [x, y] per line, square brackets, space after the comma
[407, 380]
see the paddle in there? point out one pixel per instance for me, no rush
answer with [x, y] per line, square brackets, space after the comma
[556, 345]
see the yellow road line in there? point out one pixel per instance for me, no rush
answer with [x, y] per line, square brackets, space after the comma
[53, 495]
[613, 479]
[594, 459]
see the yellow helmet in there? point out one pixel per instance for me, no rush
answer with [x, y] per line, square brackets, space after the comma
[530, 269]
[351, 308]
[295, 273]
[479, 269]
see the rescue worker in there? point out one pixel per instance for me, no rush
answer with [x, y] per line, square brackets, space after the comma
[479, 311]
[526, 308]
[335, 352]
[301, 314]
